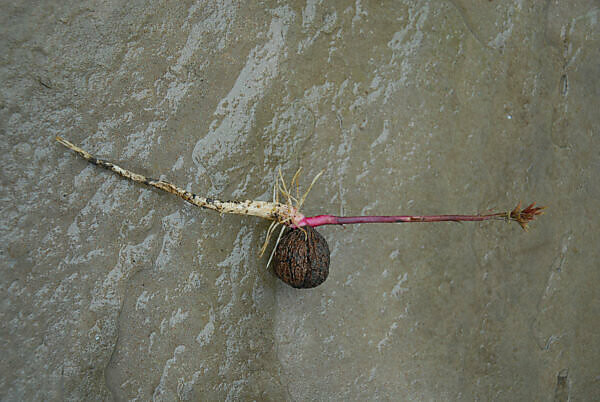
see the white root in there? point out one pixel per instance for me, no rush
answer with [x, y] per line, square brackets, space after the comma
[275, 247]
[285, 214]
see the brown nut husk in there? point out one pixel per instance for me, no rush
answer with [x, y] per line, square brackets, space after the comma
[302, 258]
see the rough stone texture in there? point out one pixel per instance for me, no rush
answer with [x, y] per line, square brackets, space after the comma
[115, 291]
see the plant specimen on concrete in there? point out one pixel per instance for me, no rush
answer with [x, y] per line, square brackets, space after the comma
[301, 255]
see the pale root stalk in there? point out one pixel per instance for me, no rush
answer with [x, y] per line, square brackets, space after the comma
[275, 211]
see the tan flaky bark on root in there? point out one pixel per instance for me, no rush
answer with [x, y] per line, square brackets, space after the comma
[285, 214]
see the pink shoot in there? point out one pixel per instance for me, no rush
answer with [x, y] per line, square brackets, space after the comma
[521, 216]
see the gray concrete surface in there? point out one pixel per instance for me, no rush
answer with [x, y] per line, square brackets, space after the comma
[112, 291]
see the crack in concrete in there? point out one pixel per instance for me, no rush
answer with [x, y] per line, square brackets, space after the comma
[468, 24]
[106, 368]
[554, 274]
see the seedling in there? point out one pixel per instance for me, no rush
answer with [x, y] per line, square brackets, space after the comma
[301, 255]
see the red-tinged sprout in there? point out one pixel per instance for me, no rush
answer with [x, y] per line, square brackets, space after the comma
[521, 216]
[301, 255]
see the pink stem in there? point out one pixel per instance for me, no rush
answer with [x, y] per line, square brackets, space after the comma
[343, 220]
[520, 215]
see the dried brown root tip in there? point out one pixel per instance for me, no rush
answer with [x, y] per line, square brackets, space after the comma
[65, 142]
[268, 237]
[525, 215]
[86, 155]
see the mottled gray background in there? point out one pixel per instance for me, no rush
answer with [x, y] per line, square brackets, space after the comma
[112, 291]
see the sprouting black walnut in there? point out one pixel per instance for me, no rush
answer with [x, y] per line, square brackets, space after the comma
[302, 258]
